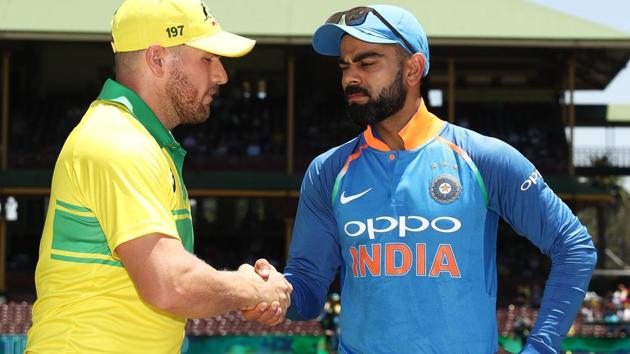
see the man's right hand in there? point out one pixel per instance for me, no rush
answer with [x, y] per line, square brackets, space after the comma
[263, 312]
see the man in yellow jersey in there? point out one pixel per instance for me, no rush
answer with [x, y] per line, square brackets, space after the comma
[115, 272]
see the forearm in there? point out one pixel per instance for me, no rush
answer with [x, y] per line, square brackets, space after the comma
[307, 299]
[564, 292]
[202, 291]
[175, 281]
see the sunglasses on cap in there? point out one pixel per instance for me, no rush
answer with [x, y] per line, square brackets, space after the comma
[356, 17]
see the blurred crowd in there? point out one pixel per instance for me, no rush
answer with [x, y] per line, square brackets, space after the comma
[248, 130]
[614, 307]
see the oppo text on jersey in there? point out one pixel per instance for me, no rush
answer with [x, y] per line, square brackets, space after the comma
[404, 224]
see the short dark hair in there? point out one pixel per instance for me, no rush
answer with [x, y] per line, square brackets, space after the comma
[403, 55]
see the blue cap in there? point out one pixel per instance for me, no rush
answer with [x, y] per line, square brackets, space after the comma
[327, 37]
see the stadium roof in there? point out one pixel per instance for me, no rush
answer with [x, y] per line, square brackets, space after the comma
[446, 21]
[515, 38]
[618, 113]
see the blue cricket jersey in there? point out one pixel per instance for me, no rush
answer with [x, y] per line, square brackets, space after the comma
[413, 234]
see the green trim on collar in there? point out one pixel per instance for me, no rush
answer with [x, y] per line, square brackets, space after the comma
[115, 92]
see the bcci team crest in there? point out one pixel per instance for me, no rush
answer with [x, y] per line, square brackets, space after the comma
[445, 188]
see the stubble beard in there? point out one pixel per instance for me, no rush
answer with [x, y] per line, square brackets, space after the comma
[183, 98]
[390, 101]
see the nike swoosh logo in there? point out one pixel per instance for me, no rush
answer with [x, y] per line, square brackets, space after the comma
[348, 199]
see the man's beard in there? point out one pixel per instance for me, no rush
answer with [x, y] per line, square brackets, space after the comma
[388, 102]
[183, 97]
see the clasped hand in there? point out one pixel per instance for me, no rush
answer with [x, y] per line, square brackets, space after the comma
[275, 291]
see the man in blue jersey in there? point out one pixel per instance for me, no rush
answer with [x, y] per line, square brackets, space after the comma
[407, 212]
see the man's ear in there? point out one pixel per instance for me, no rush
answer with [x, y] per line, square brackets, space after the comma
[155, 57]
[415, 65]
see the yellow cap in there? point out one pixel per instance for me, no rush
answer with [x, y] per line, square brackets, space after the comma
[138, 24]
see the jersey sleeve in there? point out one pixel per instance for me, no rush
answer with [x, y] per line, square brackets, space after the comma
[518, 192]
[126, 185]
[314, 255]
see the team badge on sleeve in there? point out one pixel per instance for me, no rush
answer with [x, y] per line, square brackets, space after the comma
[445, 188]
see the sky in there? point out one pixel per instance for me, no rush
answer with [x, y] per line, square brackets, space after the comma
[613, 14]
[610, 13]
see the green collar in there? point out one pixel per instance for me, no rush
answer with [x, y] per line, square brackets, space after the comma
[115, 92]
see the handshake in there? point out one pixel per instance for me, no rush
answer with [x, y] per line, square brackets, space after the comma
[273, 293]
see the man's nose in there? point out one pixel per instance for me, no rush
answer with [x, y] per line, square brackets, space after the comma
[350, 77]
[218, 74]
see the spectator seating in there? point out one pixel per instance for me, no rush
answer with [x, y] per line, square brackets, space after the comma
[15, 318]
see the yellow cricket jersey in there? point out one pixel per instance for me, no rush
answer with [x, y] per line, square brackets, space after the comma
[118, 177]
